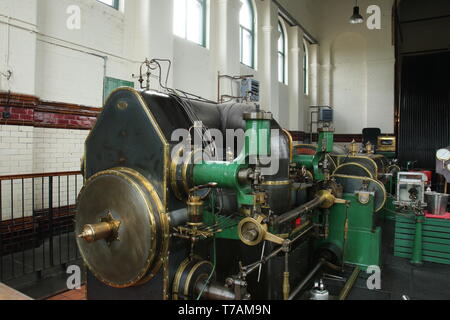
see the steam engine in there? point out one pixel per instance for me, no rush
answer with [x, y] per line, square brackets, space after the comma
[157, 219]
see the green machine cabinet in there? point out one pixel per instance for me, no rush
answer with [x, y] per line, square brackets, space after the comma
[352, 229]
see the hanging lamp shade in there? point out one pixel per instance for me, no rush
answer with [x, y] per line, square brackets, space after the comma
[356, 17]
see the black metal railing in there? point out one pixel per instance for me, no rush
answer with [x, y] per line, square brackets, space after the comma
[37, 213]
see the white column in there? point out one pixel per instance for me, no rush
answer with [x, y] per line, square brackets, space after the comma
[270, 90]
[295, 65]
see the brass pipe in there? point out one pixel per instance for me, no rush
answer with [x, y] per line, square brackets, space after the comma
[286, 285]
[349, 285]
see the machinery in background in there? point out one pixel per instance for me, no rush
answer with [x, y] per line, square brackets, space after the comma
[422, 232]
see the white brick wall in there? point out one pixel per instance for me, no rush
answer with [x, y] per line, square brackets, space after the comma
[25, 150]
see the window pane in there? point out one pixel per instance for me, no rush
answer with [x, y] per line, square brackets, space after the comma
[179, 18]
[195, 21]
[247, 48]
[246, 15]
[305, 70]
[109, 2]
[280, 67]
[281, 43]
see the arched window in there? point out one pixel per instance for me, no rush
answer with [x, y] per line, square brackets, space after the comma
[247, 33]
[282, 44]
[305, 69]
[111, 3]
[189, 20]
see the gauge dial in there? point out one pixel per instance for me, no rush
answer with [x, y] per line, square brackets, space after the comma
[443, 155]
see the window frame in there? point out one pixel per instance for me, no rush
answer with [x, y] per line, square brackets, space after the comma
[204, 21]
[252, 34]
[283, 79]
[115, 5]
[305, 68]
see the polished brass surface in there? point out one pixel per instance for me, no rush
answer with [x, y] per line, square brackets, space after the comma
[195, 211]
[286, 286]
[164, 235]
[353, 148]
[326, 198]
[252, 231]
[107, 229]
[122, 105]
[143, 231]
[369, 148]
[387, 144]
[291, 144]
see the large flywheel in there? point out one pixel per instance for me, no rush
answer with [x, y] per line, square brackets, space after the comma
[122, 228]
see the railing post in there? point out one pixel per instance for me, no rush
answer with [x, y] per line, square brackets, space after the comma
[50, 213]
[1, 234]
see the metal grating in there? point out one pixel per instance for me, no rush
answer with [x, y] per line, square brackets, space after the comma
[424, 108]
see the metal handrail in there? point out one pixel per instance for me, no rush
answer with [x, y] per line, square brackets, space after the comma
[39, 175]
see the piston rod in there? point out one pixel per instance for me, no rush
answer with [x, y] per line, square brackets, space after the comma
[306, 280]
[316, 202]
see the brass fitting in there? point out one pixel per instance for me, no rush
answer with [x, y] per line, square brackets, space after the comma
[286, 286]
[353, 148]
[107, 230]
[195, 211]
[328, 199]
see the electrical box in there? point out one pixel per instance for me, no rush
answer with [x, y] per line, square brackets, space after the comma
[250, 89]
[326, 114]
[411, 189]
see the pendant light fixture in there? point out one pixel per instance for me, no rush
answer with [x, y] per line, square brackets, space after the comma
[356, 17]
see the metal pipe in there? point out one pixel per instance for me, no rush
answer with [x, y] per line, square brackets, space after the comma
[306, 280]
[214, 291]
[316, 202]
[349, 285]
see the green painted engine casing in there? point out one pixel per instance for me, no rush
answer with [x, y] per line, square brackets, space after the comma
[225, 174]
[361, 244]
[257, 138]
[311, 162]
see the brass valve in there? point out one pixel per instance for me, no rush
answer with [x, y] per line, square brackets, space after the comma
[195, 204]
[353, 148]
[369, 148]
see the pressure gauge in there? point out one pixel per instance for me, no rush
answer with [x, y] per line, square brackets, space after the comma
[443, 155]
